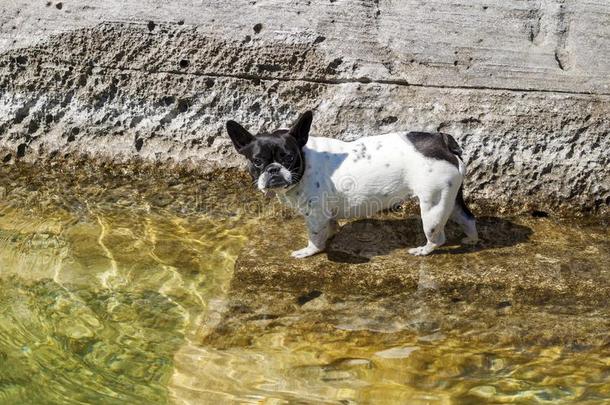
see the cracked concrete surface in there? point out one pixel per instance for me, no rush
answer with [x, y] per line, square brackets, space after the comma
[523, 86]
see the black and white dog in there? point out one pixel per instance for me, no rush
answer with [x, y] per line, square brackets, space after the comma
[327, 179]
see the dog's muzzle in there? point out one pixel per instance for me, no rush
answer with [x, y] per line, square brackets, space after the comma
[274, 176]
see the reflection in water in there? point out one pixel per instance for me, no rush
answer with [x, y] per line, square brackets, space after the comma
[334, 366]
[94, 308]
[111, 279]
[61, 342]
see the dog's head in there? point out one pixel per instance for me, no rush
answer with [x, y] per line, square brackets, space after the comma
[275, 160]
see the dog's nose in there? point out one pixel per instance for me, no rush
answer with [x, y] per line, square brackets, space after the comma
[273, 170]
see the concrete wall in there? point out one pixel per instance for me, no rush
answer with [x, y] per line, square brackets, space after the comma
[523, 85]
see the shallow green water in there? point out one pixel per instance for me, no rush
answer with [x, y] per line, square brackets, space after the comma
[109, 280]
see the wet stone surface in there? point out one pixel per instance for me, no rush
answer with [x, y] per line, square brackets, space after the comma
[524, 260]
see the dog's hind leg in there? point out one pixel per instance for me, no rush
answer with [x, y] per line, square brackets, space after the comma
[435, 211]
[462, 216]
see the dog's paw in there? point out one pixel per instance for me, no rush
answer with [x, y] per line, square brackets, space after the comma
[305, 252]
[420, 251]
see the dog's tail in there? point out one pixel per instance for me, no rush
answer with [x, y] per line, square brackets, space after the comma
[454, 148]
[459, 198]
[459, 201]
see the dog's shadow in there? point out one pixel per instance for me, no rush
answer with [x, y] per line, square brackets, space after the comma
[359, 241]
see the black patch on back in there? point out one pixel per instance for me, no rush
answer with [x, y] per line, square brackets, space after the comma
[436, 146]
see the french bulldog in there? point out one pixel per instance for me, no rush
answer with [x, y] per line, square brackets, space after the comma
[327, 179]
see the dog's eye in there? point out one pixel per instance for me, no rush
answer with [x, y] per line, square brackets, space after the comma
[288, 158]
[258, 163]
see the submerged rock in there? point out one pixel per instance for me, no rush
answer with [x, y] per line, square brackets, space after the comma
[517, 261]
[528, 281]
[484, 391]
[396, 352]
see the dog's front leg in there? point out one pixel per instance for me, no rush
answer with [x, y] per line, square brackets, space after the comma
[318, 229]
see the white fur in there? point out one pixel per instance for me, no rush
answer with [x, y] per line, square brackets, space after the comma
[359, 178]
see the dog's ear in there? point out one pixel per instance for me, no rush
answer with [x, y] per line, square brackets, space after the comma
[300, 130]
[239, 135]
